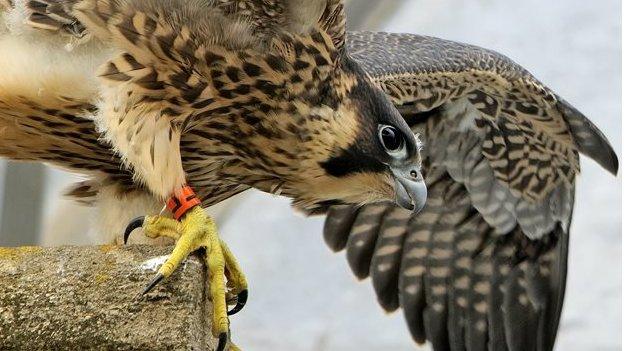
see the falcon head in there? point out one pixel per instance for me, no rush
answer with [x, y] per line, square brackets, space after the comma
[356, 148]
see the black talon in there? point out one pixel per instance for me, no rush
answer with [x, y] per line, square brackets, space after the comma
[241, 300]
[134, 224]
[222, 342]
[153, 283]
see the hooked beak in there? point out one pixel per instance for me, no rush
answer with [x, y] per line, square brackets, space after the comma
[410, 188]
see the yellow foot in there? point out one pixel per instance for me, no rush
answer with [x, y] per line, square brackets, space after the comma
[198, 231]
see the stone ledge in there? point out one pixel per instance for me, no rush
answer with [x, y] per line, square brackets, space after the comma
[86, 298]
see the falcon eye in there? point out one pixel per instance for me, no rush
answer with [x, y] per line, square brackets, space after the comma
[392, 140]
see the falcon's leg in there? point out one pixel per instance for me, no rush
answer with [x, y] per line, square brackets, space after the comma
[197, 231]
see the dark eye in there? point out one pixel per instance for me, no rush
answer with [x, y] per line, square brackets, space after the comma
[391, 139]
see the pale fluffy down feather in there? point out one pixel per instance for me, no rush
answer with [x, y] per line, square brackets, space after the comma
[116, 208]
[38, 66]
[141, 136]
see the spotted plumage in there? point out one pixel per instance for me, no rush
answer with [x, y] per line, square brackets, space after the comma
[275, 95]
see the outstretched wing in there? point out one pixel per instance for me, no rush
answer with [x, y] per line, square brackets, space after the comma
[483, 265]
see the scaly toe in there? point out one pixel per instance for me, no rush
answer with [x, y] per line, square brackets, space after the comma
[236, 279]
[190, 238]
[197, 231]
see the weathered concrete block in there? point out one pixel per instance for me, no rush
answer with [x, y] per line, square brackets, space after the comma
[87, 298]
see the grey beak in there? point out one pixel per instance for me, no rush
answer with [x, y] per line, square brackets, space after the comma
[411, 192]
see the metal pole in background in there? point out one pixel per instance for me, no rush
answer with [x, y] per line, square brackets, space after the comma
[21, 204]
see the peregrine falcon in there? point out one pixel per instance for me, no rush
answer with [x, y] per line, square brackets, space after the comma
[185, 103]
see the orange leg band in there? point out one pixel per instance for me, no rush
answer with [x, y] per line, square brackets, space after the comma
[182, 201]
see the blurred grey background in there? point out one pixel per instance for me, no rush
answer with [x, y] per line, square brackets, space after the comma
[303, 297]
